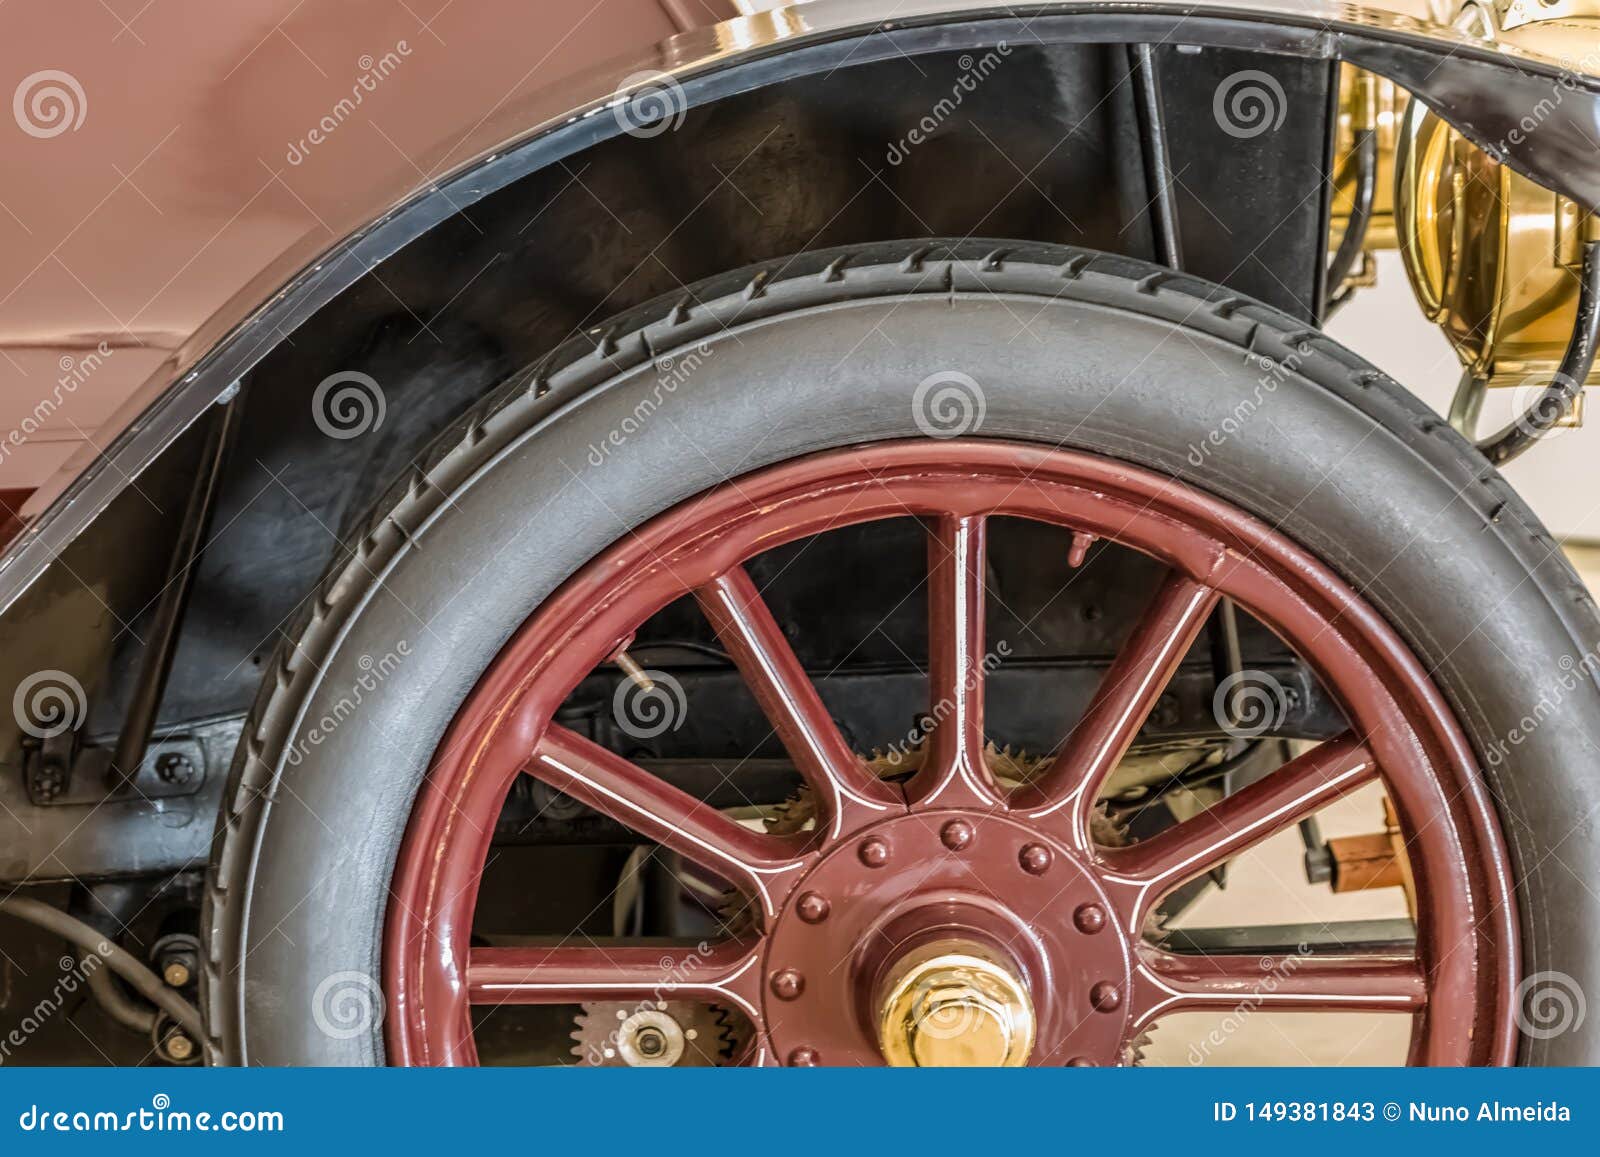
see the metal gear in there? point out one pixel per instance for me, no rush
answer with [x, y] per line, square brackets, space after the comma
[658, 1034]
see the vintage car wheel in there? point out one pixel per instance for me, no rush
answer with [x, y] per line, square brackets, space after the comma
[1252, 456]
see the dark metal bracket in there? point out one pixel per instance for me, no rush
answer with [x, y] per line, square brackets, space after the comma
[127, 758]
[1557, 400]
[1365, 160]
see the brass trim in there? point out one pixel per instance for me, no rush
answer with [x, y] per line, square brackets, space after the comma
[953, 1003]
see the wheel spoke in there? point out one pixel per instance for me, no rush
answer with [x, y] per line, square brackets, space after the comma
[850, 796]
[1165, 983]
[1140, 875]
[1123, 701]
[727, 973]
[954, 773]
[764, 867]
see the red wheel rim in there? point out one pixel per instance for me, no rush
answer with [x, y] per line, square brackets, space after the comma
[1021, 870]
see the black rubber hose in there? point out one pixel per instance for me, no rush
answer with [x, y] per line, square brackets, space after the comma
[139, 1017]
[1355, 229]
[125, 965]
[1557, 399]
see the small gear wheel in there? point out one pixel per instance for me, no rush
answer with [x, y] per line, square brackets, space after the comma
[653, 1035]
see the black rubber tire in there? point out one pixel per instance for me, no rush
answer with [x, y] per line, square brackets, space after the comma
[1070, 348]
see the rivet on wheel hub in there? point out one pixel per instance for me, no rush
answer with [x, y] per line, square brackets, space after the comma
[874, 852]
[812, 907]
[1106, 996]
[1035, 859]
[956, 834]
[787, 984]
[1089, 918]
[804, 1058]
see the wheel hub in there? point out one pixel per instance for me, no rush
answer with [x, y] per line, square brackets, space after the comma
[900, 946]
[953, 1004]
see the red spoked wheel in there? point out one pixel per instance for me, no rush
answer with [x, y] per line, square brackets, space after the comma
[947, 920]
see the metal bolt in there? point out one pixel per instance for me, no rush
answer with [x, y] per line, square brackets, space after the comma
[174, 767]
[179, 1047]
[1089, 918]
[633, 671]
[176, 974]
[1035, 859]
[787, 984]
[1106, 996]
[812, 907]
[804, 1058]
[49, 781]
[874, 852]
[1080, 1063]
[956, 835]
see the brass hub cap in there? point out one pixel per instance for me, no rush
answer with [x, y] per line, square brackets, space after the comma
[952, 1003]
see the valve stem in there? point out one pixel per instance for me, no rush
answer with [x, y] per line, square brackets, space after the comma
[631, 669]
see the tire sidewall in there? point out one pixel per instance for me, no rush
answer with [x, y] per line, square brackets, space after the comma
[349, 754]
